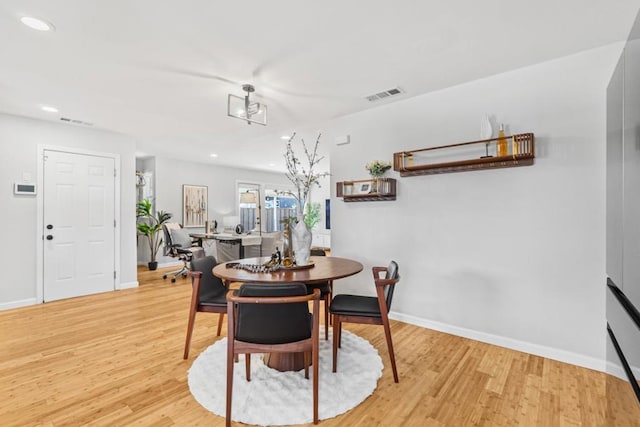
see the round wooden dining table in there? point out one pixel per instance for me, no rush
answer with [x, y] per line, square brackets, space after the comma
[323, 269]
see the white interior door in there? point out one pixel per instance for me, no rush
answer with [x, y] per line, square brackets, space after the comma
[79, 225]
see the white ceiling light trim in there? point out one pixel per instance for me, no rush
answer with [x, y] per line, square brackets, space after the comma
[37, 24]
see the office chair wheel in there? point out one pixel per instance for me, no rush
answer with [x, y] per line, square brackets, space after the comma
[173, 280]
[164, 276]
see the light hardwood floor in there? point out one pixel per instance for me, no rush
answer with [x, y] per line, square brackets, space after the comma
[116, 359]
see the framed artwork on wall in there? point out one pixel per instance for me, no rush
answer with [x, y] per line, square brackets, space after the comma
[195, 203]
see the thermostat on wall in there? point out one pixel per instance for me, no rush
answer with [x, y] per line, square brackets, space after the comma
[24, 188]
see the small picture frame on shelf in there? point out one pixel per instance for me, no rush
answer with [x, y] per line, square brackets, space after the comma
[362, 188]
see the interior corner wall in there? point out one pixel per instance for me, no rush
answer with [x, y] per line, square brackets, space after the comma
[511, 256]
[20, 138]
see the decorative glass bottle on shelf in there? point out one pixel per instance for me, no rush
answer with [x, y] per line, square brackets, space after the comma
[501, 146]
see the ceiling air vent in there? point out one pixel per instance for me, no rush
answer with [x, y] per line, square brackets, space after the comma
[384, 94]
[75, 121]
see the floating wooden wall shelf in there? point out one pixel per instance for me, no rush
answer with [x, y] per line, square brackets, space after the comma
[466, 156]
[367, 190]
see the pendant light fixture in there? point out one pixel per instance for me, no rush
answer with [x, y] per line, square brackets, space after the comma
[245, 109]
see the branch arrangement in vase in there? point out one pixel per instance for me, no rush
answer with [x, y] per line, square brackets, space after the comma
[303, 176]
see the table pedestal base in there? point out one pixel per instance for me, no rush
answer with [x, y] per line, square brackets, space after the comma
[284, 361]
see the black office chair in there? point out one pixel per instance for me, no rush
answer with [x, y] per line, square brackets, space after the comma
[272, 318]
[208, 294]
[178, 244]
[368, 310]
[326, 293]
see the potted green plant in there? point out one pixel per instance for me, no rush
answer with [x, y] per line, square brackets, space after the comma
[312, 214]
[150, 225]
[376, 169]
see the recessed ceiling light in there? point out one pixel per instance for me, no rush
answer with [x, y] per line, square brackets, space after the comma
[213, 155]
[37, 24]
[49, 109]
[272, 164]
[285, 137]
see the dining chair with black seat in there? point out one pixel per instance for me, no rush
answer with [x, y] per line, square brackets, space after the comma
[326, 293]
[208, 294]
[178, 244]
[272, 318]
[346, 308]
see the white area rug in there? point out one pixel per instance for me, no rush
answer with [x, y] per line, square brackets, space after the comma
[281, 398]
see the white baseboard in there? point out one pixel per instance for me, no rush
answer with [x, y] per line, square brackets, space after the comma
[16, 304]
[129, 285]
[527, 347]
[618, 371]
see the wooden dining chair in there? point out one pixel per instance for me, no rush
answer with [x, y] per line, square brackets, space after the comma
[368, 310]
[272, 318]
[326, 293]
[208, 294]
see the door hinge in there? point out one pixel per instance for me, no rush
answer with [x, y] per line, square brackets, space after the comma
[114, 223]
[115, 173]
[114, 275]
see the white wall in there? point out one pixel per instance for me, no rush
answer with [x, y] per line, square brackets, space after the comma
[19, 139]
[510, 256]
[221, 182]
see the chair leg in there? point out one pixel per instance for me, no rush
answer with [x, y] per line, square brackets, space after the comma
[326, 317]
[187, 343]
[316, 380]
[387, 333]
[307, 359]
[336, 329]
[247, 365]
[330, 299]
[230, 357]
[220, 319]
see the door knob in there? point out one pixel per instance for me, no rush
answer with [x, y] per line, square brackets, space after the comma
[49, 237]
[49, 226]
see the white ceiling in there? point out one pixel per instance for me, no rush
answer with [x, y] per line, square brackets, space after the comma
[160, 71]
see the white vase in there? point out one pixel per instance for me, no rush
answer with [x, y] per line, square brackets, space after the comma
[301, 236]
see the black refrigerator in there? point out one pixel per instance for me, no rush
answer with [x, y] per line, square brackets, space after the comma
[623, 235]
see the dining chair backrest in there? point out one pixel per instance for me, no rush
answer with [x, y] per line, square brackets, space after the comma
[210, 285]
[273, 323]
[392, 273]
[317, 252]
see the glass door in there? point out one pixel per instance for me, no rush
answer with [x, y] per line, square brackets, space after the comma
[279, 205]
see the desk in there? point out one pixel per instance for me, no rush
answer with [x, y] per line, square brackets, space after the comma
[241, 239]
[326, 268]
